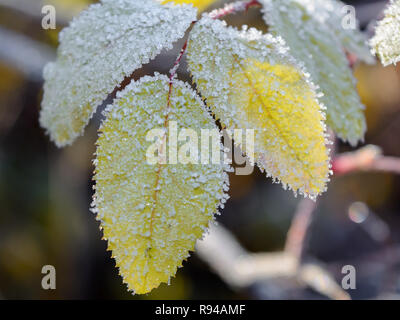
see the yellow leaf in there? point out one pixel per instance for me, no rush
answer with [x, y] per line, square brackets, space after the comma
[200, 4]
[69, 8]
[250, 82]
[314, 44]
[152, 214]
[386, 42]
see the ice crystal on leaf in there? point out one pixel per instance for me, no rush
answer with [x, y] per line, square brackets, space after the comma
[331, 13]
[200, 4]
[152, 215]
[386, 42]
[250, 82]
[106, 43]
[315, 45]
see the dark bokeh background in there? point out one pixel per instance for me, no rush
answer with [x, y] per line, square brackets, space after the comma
[45, 192]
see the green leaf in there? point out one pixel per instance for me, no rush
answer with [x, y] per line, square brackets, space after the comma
[333, 14]
[101, 47]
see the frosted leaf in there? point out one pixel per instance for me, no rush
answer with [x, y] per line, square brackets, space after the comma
[106, 43]
[315, 45]
[332, 13]
[153, 214]
[386, 42]
[251, 82]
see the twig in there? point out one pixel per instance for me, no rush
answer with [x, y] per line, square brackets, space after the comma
[235, 265]
[233, 8]
[385, 164]
[369, 158]
[296, 235]
[240, 269]
[316, 277]
[177, 61]
[216, 14]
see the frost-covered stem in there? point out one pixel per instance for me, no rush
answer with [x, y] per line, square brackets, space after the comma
[216, 14]
[296, 235]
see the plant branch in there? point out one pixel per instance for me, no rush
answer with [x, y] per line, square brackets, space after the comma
[368, 158]
[233, 8]
[297, 233]
[241, 269]
[216, 14]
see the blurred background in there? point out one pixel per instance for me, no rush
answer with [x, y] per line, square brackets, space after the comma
[45, 192]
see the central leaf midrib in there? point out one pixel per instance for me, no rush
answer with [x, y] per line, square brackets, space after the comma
[271, 117]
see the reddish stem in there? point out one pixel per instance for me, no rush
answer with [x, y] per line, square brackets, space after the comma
[345, 164]
[233, 8]
[219, 13]
[296, 236]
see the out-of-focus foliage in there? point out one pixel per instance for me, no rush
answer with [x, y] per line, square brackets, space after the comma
[200, 4]
[386, 43]
[68, 7]
[341, 21]
[379, 90]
